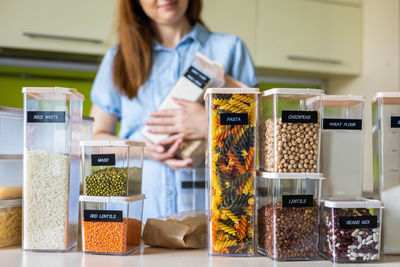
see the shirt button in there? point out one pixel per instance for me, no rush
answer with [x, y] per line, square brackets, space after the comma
[169, 192]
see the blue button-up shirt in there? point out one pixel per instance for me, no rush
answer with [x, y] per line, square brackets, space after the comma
[161, 184]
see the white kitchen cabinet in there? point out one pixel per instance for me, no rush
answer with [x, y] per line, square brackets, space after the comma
[232, 16]
[322, 36]
[72, 26]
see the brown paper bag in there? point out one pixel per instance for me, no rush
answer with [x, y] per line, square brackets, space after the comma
[190, 232]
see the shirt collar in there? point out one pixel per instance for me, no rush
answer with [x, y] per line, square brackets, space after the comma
[199, 33]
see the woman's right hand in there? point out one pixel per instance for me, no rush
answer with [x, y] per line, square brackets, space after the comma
[166, 156]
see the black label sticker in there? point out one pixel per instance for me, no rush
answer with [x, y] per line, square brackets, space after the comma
[353, 222]
[395, 122]
[102, 215]
[103, 159]
[197, 184]
[295, 116]
[45, 117]
[289, 201]
[234, 119]
[342, 124]
[197, 77]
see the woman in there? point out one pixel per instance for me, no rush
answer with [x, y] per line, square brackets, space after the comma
[158, 39]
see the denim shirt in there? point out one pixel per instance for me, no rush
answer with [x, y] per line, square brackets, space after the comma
[161, 184]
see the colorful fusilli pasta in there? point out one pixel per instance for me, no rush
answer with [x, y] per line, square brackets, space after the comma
[232, 170]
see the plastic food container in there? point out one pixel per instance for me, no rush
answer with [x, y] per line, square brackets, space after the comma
[289, 130]
[351, 230]
[386, 167]
[87, 128]
[10, 222]
[11, 173]
[288, 215]
[232, 114]
[112, 167]
[111, 225]
[342, 128]
[192, 193]
[52, 127]
[11, 133]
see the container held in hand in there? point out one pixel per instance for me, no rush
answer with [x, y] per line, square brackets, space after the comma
[202, 73]
[180, 230]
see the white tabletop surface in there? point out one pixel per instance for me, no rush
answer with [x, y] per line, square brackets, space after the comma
[157, 257]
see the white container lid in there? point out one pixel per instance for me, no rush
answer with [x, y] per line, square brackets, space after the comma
[112, 199]
[122, 143]
[49, 90]
[232, 91]
[337, 100]
[9, 203]
[293, 91]
[348, 203]
[13, 111]
[383, 95]
[285, 175]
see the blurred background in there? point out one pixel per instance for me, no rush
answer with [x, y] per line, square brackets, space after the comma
[341, 46]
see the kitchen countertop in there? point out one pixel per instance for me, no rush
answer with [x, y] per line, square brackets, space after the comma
[15, 257]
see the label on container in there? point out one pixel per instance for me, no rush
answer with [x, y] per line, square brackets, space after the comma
[353, 222]
[289, 201]
[234, 119]
[295, 116]
[197, 77]
[341, 124]
[103, 159]
[45, 117]
[197, 184]
[102, 215]
[395, 122]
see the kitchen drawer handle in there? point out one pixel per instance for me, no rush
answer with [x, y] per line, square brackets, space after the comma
[60, 37]
[314, 59]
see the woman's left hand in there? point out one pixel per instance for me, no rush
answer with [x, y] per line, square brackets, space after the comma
[188, 122]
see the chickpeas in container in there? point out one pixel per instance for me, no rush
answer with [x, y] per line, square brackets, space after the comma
[289, 131]
[111, 167]
[288, 215]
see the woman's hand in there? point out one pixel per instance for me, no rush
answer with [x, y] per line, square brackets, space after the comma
[159, 153]
[188, 122]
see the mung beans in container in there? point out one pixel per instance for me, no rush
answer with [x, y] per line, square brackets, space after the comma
[232, 114]
[289, 131]
[112, 167]
[351, 230]
[52, 127]
[288, 215]
[111, 225]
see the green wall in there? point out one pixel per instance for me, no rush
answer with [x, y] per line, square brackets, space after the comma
[12, 80]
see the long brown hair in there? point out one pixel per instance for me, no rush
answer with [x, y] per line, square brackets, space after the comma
[132, 62]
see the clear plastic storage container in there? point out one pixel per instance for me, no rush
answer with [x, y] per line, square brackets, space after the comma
[52, 127]
[192, 193]
[111, 225]
[289, 130]
[11, 131]
[11, 173]
[10, 222]
[342, 144]
[112, 167]
[288, 215]
[386, 167]
[232, 115]
[351, 230]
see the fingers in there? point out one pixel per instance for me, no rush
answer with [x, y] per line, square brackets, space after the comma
[152, 147]
[164, 113]
[162, 129]
[183, 102]
[171, 139]
[174, 148]
[160, 121]
[177, 164]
